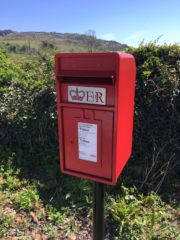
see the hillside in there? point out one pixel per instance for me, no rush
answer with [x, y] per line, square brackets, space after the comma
[65, 42]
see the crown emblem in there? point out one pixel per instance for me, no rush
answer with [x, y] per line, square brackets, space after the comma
[77, 95]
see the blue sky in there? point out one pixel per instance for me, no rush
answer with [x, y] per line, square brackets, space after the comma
[128, 21]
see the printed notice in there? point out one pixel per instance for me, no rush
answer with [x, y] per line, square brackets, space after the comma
[87, 141]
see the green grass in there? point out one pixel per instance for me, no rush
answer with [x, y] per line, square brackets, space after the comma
[21, 42]
[143, 217]
[129, 213]
[62, 45]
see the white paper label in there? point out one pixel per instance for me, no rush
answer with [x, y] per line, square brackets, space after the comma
[90, 95]
[87, 141]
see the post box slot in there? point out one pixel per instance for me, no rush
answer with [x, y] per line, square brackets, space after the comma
[88, 80]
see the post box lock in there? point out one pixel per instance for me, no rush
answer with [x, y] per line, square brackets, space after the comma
[95, 99]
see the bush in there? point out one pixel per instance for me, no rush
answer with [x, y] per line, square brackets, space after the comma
[28, 117]
[156, 135]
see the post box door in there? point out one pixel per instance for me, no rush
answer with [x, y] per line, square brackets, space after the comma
[88, 141]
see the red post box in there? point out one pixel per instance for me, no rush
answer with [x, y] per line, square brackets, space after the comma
[95, 98]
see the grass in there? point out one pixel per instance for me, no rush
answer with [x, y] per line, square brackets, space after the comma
[129, 214]
[19, 42]
[22, 213]
[61, 45]
[143, 217]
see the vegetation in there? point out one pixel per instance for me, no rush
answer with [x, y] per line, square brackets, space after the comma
[156, 131]
[65, 42]
[38, 202]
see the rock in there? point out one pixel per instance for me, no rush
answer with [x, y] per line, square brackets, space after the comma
[72, 236]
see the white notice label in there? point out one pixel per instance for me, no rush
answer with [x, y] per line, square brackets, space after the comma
[87, 141]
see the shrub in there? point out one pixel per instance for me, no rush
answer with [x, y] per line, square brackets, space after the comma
[28, 117]
[156, 135]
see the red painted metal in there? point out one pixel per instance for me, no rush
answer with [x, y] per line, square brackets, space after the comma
[116, 73]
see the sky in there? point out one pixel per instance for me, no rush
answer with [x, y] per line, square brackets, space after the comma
[125, 21]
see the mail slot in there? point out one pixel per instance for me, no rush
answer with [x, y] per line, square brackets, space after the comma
[95, 100]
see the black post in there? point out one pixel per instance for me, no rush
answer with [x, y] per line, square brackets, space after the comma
[98, 211]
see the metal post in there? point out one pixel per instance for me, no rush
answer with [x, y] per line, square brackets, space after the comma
[98, 211]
